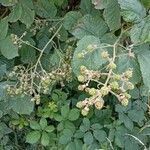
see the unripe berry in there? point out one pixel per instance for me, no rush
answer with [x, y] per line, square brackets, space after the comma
[128, 73]
[114, 85]
[79, 104]
[81, 78]
[84, 112]
[104, 54]
[112, 65]
[92, 91]
[81, 87]
[104, 90]
[80, 55]
[117, 77]
[99, 104]
[125, 102]
[90, 48]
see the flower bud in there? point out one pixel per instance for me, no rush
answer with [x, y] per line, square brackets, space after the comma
[79, 104]
[85, 111]
[114, 85]
[125, 102]
[81, 78]
[104, 90]
[128, 73]
[92, 91]
[130, 86]
[99, 104]
[112, 65]
[104, 54]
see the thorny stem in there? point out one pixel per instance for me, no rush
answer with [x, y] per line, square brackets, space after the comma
[39, 58]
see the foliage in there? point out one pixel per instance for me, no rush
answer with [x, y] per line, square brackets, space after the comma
[74, 75]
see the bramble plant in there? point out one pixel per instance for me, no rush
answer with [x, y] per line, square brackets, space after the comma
[74, 74]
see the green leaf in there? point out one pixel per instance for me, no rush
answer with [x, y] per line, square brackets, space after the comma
[34, 125]
[112, 15]
[143, 59]
[73, 114]
[132, 10]
[140, 33]
[22, 104]
[27, 16]
[88, 138]
[50, 128]
[33, 137]
[45, 9]
[8, 49]
[65, 111]
[71, 19]
[100, 135]
[45, 139]
[3, 28]
[92, 60]
[126, 120]
[90, 25]
[15, 13]
[43, 123]
[125, 62]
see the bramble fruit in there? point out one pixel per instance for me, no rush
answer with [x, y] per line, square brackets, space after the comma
[79, 104]
[104, 90]
[81, 78]
[128, 73]
[92, 91]
[112, 65]
[114, 85]
[125, 102]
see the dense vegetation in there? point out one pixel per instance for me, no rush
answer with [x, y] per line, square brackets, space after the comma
[74, 75]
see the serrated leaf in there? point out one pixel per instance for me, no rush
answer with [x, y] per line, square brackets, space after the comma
[3, 28]
[8, 49]
[65, 111]
[45, 8]
[140, 33]
[88, 138]
[43, 123]
[100, 135]
[15, 13]
[50, 128]
[112, 14]
[126, 120]
[73, 114]
[90, 25]
[33, 137]
[27, 16]
[143, 59]
[45, 139]
[22, 104]
[34, 125]
[92, 60]
[132, 10]
[71, 19]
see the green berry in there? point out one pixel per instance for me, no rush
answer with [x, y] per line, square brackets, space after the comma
[114, 85]
[79, 104]
[84, 112]
[104, 90]
[117, 77]
[112, 65]
[90, 47]
[92, 91]
[81, 78]
[80, 55]
[125, 102]
[128, 73]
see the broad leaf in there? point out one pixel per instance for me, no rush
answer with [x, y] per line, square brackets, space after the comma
[88, 138]
[132, 10]
[100, 135]
[112, 15]
[33, 137]
[45, 139]
[140, 33]
[92, 60]
[3, 28]
[73, 114]
[8, 49]
[143, 59]
[90, 25]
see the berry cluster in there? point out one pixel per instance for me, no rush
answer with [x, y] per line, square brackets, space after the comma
[107, 82]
